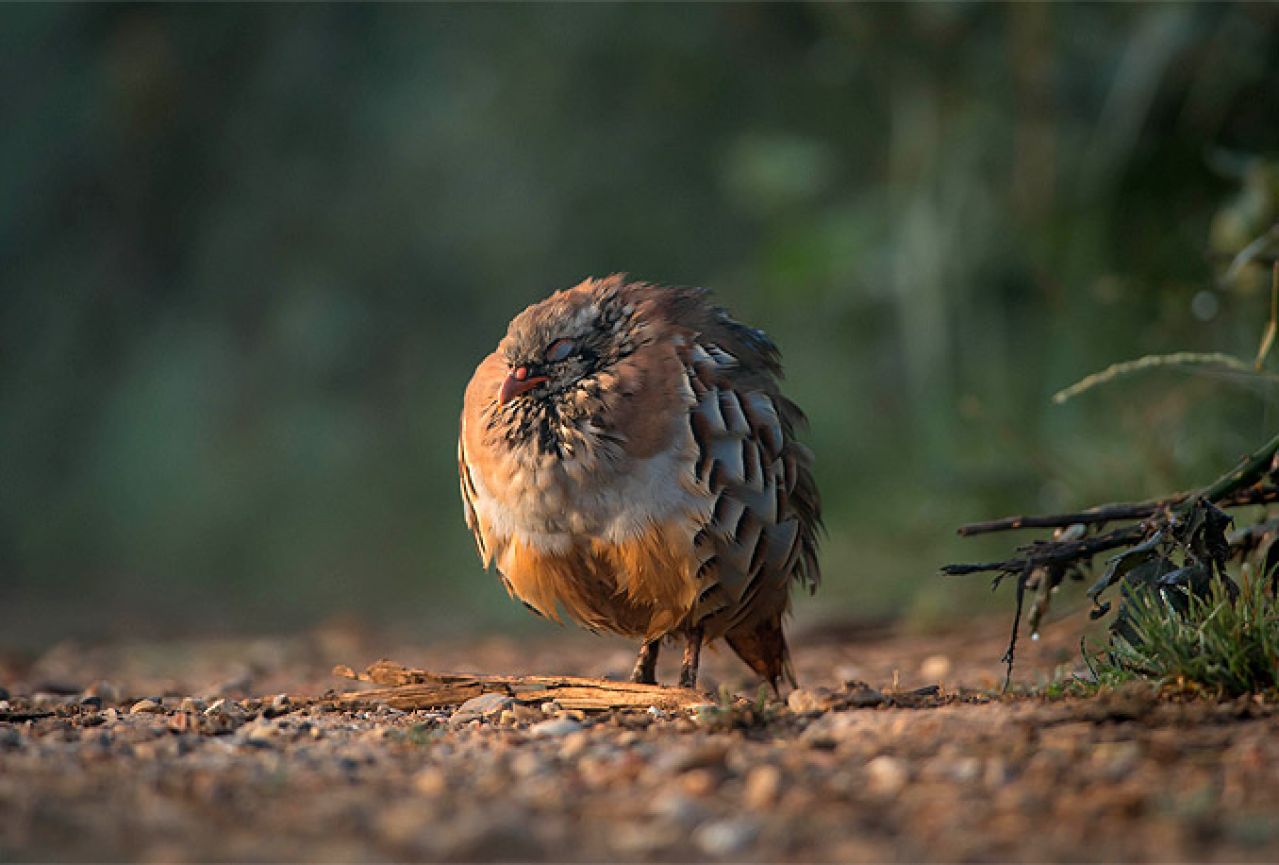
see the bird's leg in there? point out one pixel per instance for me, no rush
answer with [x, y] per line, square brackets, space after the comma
[692, 652]
[645, 672]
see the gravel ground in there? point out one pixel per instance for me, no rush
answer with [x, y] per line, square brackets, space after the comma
[231, 750]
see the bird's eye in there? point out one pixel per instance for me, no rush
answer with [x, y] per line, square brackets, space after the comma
[559, 350]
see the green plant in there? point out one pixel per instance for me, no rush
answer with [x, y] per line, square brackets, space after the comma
[1221, 641]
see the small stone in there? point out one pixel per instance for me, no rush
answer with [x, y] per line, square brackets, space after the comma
[554, 727]
[222, 708]
[461, 719]
[109, 693]
[935, 667]
[700, 782]
[574, 744]
[803, 700]
[964, 769]
[762, 786]
[485, 705]
[682, 759]
[887, 774]
[91, 702]
[430, 781]
[528, 762]
[550, 707]
[280, 705]
[1116, 759]
[191, 704]
[678, 808]
[725, 837]
[261, 732]
[48, 700]
[146, 707]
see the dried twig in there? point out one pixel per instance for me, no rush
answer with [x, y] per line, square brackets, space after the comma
[1053, 552]
[407, 689]
[1102, 514]
[1251, 482]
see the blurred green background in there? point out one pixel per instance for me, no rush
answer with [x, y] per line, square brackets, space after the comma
[249, 256]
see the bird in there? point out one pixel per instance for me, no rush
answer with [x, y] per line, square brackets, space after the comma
[626, 458]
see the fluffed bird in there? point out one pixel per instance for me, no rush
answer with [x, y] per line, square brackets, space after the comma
[626, 457]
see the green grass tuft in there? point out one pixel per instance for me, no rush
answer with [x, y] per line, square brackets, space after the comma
[1224, 645]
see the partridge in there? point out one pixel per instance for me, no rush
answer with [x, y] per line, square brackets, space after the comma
[626, 458]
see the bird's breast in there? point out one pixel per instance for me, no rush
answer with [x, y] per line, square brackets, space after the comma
[549, 502]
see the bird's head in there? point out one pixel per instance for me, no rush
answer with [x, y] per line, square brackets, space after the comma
[553, 345]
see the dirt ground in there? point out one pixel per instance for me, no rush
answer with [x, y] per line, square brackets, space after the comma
[231, 751]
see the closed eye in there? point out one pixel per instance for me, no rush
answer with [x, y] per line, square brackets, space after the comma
[559, 350]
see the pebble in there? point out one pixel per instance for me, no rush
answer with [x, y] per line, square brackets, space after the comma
[803, 700]
[280, 705]
[492, 703]
[678, 808]
[700, 782]
[887, 774]
[106, 691]
[1116, 759]
[725, 837]
[554, 727]
[682, 759]
[574, 744]
[261, 732]
[146, 707]
[935, 667]
[221, 706]
[49, 700]
[762, 786]
[431, 781]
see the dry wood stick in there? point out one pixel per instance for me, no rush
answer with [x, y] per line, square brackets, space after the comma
[1120, 511]
[405, 688]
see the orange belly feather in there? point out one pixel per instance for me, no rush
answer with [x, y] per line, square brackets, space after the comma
[642, 587]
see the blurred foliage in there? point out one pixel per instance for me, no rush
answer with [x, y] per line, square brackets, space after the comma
[251, 254]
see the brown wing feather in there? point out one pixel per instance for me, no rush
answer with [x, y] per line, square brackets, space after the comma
[764, 529]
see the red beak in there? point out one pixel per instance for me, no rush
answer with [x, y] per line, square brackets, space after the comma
[518, 382]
